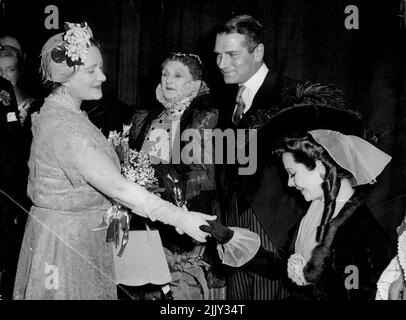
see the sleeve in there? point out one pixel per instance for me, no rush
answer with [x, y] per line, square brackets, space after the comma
[241, 248]
[82, 158]
[72, 140]
[201, 172]
[269, 264]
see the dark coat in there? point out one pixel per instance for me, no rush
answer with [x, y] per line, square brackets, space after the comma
[266, 192]
[354, 238]
[183, 182]
[10, 138]
[11, 168]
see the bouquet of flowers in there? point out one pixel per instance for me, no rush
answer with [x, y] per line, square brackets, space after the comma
[136, 167]
[119, 141]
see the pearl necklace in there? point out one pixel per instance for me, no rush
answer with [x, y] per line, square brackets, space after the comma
[64, 102]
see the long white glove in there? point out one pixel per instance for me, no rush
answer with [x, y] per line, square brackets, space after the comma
[183, 220]
[191, 222]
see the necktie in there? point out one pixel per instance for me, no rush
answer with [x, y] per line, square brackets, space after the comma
[240, 106]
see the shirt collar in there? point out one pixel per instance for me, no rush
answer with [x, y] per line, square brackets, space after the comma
[253, 84]
[256, 80]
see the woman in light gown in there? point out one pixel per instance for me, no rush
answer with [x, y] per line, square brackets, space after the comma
[74, 179]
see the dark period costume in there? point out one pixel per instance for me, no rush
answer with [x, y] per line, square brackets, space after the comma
[346, 266]
[192, 185]
[347, 262]
[260, 202]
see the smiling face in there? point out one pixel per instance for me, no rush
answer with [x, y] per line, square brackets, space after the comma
[176, 81]
[87, 83]
[234, 60]
[9, 69]
[307, 181]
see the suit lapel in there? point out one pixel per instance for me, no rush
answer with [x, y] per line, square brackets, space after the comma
[229, 102]
[261, 99]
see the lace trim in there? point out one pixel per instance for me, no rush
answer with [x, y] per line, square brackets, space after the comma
[179, 107]
[296, 264]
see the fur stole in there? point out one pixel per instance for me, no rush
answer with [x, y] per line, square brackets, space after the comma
[321, 253]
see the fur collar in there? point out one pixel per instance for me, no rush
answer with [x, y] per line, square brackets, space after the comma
[321, 253]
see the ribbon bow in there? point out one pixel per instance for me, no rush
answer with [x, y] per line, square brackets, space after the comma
[114, 218]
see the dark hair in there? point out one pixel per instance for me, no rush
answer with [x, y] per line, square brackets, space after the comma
[191, 61]
[250, 28]
[306, 150]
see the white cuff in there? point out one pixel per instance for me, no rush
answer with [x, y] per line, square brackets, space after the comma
[242, 247]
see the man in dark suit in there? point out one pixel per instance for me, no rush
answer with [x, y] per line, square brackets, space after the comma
[259, 201]
[10, 134]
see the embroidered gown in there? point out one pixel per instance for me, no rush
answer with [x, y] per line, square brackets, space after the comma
[61, 257]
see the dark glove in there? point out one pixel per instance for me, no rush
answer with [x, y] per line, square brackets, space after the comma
[173, 182]
[221, 233]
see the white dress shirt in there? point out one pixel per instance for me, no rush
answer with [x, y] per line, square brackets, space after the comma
[252, 86]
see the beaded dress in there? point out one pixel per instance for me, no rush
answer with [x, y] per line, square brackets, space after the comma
[61, 257]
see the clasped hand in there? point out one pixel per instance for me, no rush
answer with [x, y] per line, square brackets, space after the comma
[190, 223]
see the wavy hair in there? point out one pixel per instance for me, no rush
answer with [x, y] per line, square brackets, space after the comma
[307, 151]
[249, 27]
[191, 61]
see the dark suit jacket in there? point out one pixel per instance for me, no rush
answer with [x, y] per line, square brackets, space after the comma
[266, 192]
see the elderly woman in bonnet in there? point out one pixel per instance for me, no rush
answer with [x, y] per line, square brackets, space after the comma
[338, 250]
[183, 102]
[74, 180]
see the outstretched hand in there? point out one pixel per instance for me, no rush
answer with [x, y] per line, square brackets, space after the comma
[220, 232]
[191, 222]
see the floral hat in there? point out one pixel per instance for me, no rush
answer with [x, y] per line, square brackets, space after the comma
[64, 53]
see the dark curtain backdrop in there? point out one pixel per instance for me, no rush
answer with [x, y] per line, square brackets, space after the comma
[306, 40]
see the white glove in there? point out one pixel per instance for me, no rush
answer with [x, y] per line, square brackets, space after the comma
[190, 223]
[183, 220]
